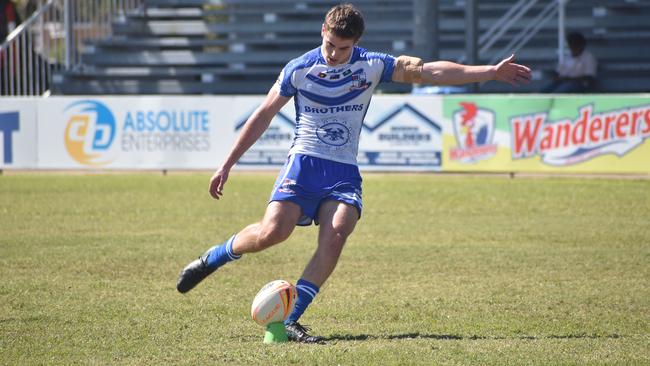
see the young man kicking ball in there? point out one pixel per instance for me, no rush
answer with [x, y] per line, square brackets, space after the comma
[332, 86]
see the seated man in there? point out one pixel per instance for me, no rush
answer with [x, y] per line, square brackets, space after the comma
[575, 74]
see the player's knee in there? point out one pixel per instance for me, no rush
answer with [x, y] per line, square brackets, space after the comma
[271, 234]
[337, 239]
[342, 231]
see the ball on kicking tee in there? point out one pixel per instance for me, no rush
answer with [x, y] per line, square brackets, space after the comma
[274, 302]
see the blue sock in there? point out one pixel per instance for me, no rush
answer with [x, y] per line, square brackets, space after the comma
[221, 254]
[306, 293]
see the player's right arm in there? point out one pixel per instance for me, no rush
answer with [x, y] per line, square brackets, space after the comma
[255, 126]
[409, 69]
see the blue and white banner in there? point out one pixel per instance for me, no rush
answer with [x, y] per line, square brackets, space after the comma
[133, 132]
[160, 132]
[589, 133]
[400, 133]
[271, 148]
[18, 147]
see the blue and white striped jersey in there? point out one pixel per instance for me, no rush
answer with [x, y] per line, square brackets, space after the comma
[331, 101]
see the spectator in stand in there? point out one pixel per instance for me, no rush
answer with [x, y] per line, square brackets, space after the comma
[30, 8]
[576, 74]
[9, 18]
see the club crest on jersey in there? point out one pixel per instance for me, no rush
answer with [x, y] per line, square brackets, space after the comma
[322, 75]
[333, 133]
[474, 131]
[359, 81]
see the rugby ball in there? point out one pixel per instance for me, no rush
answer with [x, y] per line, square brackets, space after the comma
[274, 302]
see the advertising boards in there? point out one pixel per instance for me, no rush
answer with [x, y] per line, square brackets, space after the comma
[455, 133]
[577, 134]
[132, 132]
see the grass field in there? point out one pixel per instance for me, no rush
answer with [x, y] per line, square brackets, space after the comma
[441, 270]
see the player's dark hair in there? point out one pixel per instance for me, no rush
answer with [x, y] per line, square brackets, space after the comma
[345, 21]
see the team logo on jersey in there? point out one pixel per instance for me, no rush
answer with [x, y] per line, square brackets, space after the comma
[89, 132]
[474, 130]
[359, 81]
[287, 186]
[333, 133]
[322, 75]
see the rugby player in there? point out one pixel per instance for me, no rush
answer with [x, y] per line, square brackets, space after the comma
[332, 86]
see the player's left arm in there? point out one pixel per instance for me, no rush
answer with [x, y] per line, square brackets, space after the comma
[413, 70]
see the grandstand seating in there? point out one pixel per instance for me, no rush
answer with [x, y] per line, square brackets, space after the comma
[240, 46]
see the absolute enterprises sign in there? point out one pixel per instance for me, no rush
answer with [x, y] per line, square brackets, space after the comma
[118, 133]
[590, 133]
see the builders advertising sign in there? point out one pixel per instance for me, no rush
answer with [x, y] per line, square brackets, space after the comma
[402, 134]
[270, 150]
[399, 133]
[590, 133]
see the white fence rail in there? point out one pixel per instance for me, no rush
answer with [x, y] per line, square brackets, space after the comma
[54, 38]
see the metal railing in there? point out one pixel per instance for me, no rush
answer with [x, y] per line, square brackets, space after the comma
[550, 11]
[53, 38]
[518, 11]
[504, 24]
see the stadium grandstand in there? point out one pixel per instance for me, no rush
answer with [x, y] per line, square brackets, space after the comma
[130, 47]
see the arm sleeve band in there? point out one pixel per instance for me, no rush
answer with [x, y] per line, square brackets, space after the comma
[408, 69]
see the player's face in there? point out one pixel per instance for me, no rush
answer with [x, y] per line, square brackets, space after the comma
[336, 50]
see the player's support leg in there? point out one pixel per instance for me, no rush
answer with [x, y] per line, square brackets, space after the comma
[337, 221]
[307, 291]
[276, 226]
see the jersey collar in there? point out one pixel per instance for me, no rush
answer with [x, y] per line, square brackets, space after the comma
[356, 53]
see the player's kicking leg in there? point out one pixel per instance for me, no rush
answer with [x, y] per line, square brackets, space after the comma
[279, 221]
[337, 221]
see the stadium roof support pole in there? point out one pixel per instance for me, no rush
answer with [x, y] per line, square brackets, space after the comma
[425, 31]
[471, 36]
[561, 30]
[69, 32]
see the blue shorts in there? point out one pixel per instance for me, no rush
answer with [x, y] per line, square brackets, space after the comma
[308, 181]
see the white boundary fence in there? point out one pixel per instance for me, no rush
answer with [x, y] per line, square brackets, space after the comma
[514, 133]
[54, 38]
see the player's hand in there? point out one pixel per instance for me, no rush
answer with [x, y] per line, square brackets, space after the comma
[217, 182]
[508, 71]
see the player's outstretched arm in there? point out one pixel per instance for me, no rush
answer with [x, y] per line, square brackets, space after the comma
[413, 70]
[255, 126]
